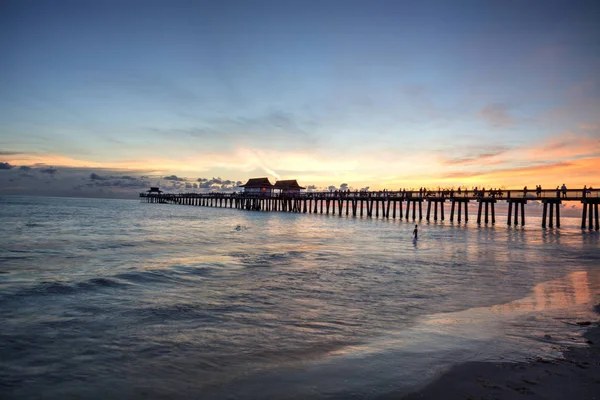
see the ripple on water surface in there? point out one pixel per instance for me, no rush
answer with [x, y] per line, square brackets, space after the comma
[289, 306]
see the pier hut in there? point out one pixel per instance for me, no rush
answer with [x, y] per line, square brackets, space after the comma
[289, 193]
[260, 186]
[288, 187]
[154, 195]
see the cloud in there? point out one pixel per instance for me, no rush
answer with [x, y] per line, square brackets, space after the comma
[565, 145]
[344, 186]
[274, 129]
[512, 172]
[24, 168]
[174, 178]
[5, 166]
[589, 127]
[117, 183]
[49, 171]
[475, 156]
[217, 184]
[497, 115]
[95, 177]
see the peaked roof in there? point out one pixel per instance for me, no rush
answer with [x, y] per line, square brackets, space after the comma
[288, 184]
[257, 182]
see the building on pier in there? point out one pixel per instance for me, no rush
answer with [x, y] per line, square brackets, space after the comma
[288, 187]
[258, 186]
[154, 189]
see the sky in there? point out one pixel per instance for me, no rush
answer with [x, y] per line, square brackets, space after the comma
[106, 98]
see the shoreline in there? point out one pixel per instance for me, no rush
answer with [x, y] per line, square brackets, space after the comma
[576, 375]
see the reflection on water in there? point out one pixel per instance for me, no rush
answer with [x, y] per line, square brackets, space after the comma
[561, 293]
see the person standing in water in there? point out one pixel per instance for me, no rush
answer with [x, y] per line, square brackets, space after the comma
[416, 232]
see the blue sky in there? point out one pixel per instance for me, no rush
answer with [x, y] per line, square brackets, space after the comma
[370, 93]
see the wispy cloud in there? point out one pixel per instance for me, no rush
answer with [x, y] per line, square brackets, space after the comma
[565, 145]
[497, 115]
[589, 127]
[486, 156]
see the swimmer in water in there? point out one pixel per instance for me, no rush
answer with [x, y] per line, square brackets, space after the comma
[416, 232]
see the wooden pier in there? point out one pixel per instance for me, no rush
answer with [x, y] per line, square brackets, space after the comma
[390, 204]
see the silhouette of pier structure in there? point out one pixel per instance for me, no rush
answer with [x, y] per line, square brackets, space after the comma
[396, 204]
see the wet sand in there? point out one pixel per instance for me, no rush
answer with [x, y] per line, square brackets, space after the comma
[577, 376]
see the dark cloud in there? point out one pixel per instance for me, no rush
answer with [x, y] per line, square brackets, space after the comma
[6, 166]
[25, 172]
[218, 184]
[117, 182]
[311, 187]
[80, 182]
[174, 178]
[344, 186]
[95, 177]
[9, 153]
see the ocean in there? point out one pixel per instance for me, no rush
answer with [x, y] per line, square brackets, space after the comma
[121, 299]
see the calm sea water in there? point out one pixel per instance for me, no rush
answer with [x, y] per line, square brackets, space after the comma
[122, 299]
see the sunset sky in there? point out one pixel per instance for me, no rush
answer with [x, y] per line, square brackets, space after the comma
[105, 98]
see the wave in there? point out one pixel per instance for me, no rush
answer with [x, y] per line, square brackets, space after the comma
[154, 276]
[179, 311]
[49, 288]
[253, 260]
[175, 275]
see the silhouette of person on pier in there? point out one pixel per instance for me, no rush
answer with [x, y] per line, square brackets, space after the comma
[564, 190]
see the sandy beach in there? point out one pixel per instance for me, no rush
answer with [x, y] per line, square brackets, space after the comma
[576, 376]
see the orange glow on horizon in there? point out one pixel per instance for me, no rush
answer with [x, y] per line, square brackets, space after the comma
[378, 170]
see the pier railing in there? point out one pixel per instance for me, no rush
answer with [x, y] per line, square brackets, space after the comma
[500, 194]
